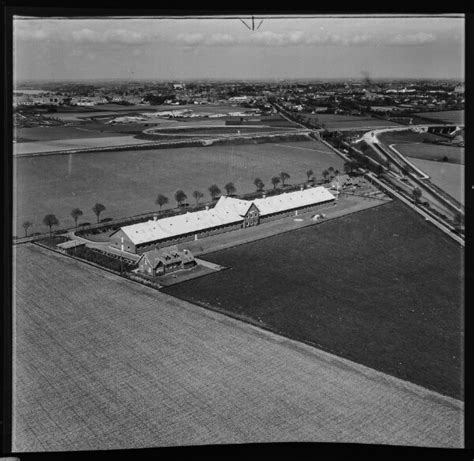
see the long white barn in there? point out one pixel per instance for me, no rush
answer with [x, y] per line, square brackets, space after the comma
[228, 214]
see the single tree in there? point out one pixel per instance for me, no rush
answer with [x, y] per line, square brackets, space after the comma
[331, 171]
[197, 195]
[50, 220]
[259, 184]
[214, 191]
[98, 208]
[180, 197]
[230, 188]
[275, 181]
[325, 174]
[161, 200]
[26, 225]
[336, 172]
[76, 213]
[284, 176]
[309, 173]
[416, 194]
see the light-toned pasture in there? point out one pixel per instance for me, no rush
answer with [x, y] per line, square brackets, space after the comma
[57, 145]
[102, 363]
[447, 176]
[127, 182]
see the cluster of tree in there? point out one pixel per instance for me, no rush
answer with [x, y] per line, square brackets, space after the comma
[50, 220]
[157, 100]
[330, 174]
[281, 178]
[181, 197]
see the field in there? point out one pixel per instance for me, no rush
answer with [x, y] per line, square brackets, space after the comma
[332, 121]
[212, 130]
[448, 116]
[408, 136]
[425, 151]
[62, 133]
[59, 145]
[128, 182]
[380, 287]
[104, 363]
[447, 176]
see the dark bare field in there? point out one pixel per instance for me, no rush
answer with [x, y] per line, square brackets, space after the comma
[104, 363]
[333, 121]
[380, 287]
[447, 116]
[64, 132]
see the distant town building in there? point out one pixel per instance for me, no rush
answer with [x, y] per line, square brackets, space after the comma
[239, 99]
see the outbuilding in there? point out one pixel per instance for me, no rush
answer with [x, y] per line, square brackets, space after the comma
[165, 260]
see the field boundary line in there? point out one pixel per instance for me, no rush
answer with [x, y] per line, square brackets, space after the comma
[300, 345]
[315, 349]
[305, 148]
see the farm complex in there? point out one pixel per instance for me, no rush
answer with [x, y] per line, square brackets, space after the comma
[228, 214]
[205, 261]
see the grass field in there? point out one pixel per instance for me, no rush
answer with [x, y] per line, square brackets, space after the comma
[435, 152]
[380, 287]
[448, 116]
[408, 136]
[128, 182]
[63, 133]
[214, 131]
[104, 363]
[58, 145]
[447, 176]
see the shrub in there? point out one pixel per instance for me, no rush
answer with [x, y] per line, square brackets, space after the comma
[101, 258]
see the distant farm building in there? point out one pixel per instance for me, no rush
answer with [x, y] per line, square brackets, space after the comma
[164, 261]
[228, 214]
[340, 181]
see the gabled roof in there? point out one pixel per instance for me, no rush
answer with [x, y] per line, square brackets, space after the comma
[340, 180]
[292, 200]
[233, 205]
[228, 210]
[169, 255]
[177, 225]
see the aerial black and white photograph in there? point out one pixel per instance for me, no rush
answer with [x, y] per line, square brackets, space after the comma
[237, 229]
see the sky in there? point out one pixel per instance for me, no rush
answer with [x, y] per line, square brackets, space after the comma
[197, 48]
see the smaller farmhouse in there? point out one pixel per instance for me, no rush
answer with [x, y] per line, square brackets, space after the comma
[165, 260]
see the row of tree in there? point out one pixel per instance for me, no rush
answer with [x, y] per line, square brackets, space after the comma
[214, 190]
[180, 196]
[50, 220]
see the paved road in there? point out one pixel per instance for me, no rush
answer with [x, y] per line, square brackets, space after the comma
[102, 363]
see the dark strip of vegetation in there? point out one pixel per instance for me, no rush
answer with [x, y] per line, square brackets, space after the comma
[52, 241]
[102, 259]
